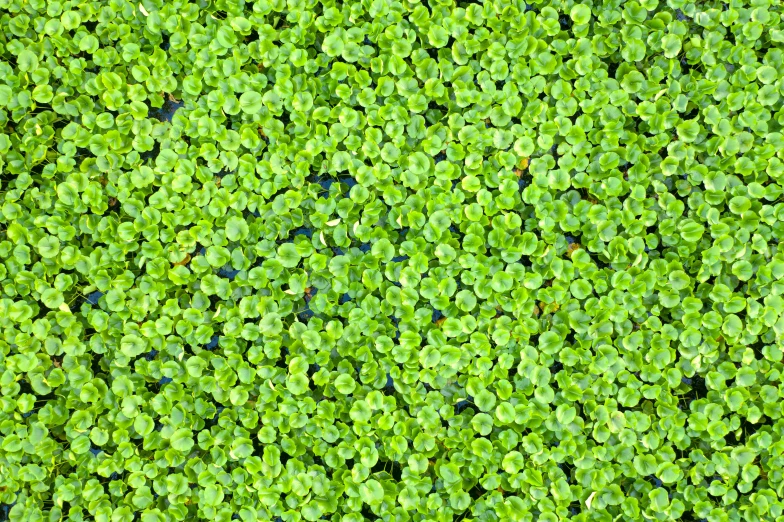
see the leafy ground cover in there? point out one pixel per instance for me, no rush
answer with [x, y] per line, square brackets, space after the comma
[384, 260]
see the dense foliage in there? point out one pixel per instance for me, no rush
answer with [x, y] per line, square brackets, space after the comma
[384, 260]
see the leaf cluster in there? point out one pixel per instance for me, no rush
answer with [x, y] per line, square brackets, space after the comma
[391, 260]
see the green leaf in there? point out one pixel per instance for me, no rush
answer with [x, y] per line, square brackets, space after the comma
[27, 61]
[580, 14]
[250, 102]
[371, 492]
[288, 255]
[237, 229]
[345, 384]
[659, 500]
[181, 440]
[485, 400]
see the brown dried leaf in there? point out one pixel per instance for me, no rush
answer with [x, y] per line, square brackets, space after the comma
[185, 260]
